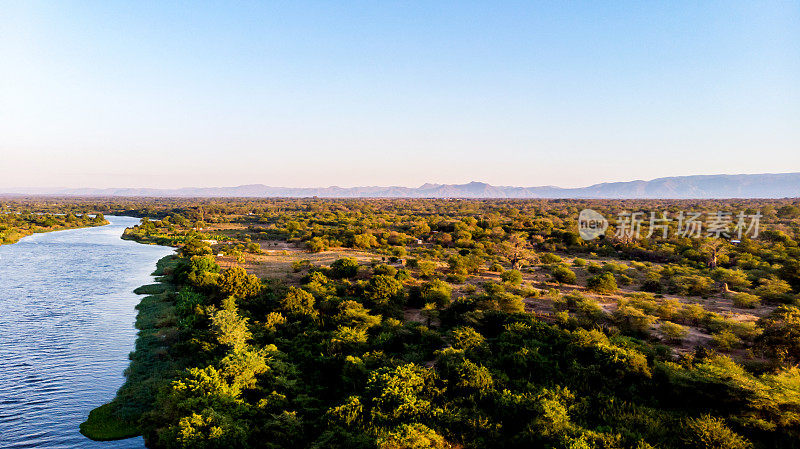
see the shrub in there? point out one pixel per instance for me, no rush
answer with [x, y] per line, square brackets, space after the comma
[513, 277]
[496, 267]
[693, 285]
[651, 285]
[564, 275]
[708, 432]
[345, 267]
[385, 270]
[673, 332]
[298, 302]
[773, 289]
[725, 340]
[426, 268]
[633, 320]
[548, 258]
[437, 292]
[602, 283]
[466, 338]
[746, 300]
[578, 262]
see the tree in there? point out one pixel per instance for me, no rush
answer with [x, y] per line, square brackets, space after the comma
[382, 288]
[236, 282]
[345, 267]
[365, 241]
[402, 394]
[195, 247]
[781, 335]
[467, 338]
[317, 244]
[231, 329]
[437, 292]
[773, 289]
[298, 302]
[713, 248]
[512, 277]
[516, 249]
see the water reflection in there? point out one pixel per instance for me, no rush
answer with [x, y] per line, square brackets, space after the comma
[66, 328]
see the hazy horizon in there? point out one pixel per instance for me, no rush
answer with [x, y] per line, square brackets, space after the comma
[120, 95]
[313, 186]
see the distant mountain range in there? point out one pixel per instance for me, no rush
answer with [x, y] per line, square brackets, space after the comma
[778, 185]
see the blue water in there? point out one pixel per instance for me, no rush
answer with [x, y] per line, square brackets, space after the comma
[66, 329]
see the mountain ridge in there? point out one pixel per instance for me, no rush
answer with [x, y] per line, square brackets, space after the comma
[765, 185]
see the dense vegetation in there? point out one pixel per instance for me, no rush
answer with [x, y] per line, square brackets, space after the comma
[460, 323]
[14, 226]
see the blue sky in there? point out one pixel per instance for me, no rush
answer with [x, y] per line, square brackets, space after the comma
[170, 94]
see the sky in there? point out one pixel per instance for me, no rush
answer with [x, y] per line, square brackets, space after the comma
[308, 94]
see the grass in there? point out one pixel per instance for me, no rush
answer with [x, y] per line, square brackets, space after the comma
[151, 364]
[278, 264]
[151, 289]
[104, 424]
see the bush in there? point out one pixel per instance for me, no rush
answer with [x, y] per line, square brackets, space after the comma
[513, 277]
[426, 268]
[651, 285]
[437, 292]
[673, 332]
[746, 300]
[385, 270]
[725, 340]
[548, 258]
[693, 285]
[708, 432]
[633, 320]
[602, 283]
[773, 289]
[456, 278]
[578, 262]
[298, 302]
[564, 275]
[345, 267]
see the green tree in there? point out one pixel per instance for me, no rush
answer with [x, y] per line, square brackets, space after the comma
[345, 267]
[298, 302]
[236, 282]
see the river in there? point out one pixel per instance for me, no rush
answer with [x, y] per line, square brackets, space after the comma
[66, 329]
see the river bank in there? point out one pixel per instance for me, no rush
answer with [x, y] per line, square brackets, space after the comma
[67, 330]
[14, 227]
[149, 363]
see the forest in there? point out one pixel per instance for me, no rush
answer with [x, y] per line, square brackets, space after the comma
[16, 225]
[448, 323]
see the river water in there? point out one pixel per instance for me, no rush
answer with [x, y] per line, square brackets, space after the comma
[66, 329]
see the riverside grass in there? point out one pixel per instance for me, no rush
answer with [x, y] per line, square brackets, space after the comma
[150, 363]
